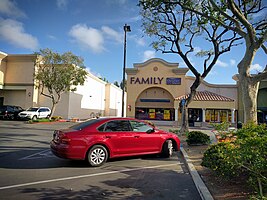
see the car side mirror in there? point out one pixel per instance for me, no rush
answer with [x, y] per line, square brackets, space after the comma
[152, 130]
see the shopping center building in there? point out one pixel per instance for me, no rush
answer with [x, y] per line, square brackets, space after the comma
[17, 87]
[156, 88]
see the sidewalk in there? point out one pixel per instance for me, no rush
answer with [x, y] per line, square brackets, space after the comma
[209, 186]
[191, 157]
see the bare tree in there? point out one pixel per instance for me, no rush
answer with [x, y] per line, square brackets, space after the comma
[248, 19]
[178, 31]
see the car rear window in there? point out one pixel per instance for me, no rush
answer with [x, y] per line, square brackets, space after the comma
[115, 125]
[32, 109]
[85, 124]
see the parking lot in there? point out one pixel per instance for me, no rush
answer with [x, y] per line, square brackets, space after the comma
[28, 170]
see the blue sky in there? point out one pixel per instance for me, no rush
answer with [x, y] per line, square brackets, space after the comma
[94, 31]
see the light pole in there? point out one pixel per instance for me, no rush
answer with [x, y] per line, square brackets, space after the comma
[126, 29]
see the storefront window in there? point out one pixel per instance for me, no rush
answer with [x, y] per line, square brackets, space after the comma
[195, 115]
[166, 114]
[223, 115]
[214, 115]
[152, 114]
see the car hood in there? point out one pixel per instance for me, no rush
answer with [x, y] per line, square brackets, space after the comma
[27, 112]
[163, 132]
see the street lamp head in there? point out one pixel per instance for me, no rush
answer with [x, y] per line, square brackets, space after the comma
[127, 28]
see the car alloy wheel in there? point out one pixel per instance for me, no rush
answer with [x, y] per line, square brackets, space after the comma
[167, 149]
[34, 118]
[97, 155]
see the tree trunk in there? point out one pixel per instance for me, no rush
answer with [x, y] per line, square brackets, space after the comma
[193, 89]
[184, 126]
[52, 110]
[249, 92]
[249, 87]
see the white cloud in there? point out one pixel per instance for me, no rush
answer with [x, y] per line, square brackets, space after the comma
[141, 41]
[221, 64]
[118, 2]
[233, 62]
[13, 31]
[88, 37]
[10, 9]
[213, 73]
[256, 67]
[135, 19]
[121, 1]
[197, 49]
[111, 33]
[62, 4]
[52, 37]
[149, 54]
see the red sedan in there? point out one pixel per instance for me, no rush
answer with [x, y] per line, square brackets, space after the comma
[96, 140]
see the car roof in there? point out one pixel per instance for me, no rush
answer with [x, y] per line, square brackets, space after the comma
[9, 106]
[38, 107]
[116, 118]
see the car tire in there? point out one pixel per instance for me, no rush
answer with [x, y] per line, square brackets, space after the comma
[167, 149]
[47, 117]
[34, 117]
[12, 117]
[97, 155]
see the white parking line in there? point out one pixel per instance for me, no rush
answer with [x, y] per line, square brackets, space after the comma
[45, 153]
[84, 176]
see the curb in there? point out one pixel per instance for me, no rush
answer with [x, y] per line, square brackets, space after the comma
[200, 185]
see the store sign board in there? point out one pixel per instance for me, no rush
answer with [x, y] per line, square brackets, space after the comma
[173, 81]
[148, 80]
[154, 80]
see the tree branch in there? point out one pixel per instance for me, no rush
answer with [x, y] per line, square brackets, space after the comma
[242, 19]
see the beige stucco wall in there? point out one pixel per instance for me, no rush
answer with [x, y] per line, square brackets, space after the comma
[2, 69]
[13, 97]
[229, 91]
[140, 88]
[156, 70]
[113, 100]
[213, 104]
[17, 77]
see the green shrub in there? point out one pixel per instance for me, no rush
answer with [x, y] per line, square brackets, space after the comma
[221, 126]
[197, 137]
[252, 143]
[251, 130]
[219, 158]
[56, 118]
[40, 120]
[247, 154]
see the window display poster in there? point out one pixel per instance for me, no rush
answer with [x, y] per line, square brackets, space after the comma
[152, 113]
[167, 115]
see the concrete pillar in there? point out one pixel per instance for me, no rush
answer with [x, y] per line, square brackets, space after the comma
[176, 114]
[232, 115]
[203, 114]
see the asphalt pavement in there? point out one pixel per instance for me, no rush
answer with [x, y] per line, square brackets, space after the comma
[28, 170]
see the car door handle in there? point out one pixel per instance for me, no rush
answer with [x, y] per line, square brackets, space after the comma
[107, 136]
[136, 136]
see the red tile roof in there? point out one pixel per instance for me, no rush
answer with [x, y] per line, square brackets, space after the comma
[206, 96]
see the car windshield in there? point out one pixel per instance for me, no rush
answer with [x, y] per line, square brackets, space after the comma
[32, 109]
[82, 125]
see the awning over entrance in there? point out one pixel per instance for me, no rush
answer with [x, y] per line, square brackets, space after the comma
[206, 96]
[210, 107]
